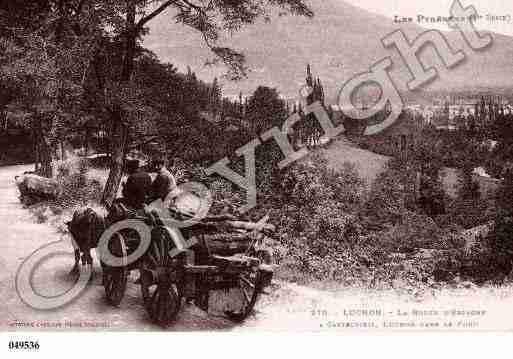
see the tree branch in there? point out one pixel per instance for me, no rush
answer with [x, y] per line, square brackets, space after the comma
[195, 7]
[155, 13]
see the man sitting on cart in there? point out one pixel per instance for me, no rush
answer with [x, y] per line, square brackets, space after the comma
[137, 186]
[164, 183]
[135, 193]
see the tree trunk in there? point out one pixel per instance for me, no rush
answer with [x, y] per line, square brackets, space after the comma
[43, 151]
[120, 128]
[36, 152]
[119, 144]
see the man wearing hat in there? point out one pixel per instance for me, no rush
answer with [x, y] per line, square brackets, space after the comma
[137, 186]
[164, 183]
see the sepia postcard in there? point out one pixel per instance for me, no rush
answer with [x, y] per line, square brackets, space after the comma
[332, 166]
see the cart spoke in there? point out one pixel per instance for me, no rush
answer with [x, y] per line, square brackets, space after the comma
[164, 253]
[152, 260]
[157, 253]
[116, 292]
[246, 295]
[110, 282]
[162, 305]
[169, 303]
[247, 282]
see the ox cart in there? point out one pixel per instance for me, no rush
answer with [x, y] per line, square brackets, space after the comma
[223, 254]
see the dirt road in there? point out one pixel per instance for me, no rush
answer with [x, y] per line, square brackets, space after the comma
[289, 307]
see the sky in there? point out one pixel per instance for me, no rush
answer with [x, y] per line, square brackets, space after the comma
[412, 8]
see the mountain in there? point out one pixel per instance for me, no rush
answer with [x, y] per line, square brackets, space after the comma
[340, 41]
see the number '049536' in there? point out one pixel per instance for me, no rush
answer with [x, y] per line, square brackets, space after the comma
[23, 345]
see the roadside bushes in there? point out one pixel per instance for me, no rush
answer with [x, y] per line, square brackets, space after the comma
[497, 255]
[311, 182]
[467, 213]
[77, 188]
[316, 216]
[415, 231]
[330, 229]
[391, 196]
[500, 242]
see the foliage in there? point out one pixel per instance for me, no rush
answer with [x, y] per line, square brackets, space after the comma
[391, 196]
[78, 189]
[500, 239]
[490, 256]
[467, 213]
[315, 227]
[265, 109]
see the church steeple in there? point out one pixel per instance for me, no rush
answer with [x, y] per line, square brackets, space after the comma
[311, 84]
[309, 78]
[316, 86]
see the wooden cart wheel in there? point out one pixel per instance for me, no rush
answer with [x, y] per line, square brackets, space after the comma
[159, 280]
[115, 278]
[249, 288]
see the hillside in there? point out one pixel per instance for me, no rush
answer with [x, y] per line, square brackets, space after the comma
[368, 164]
[340, 41]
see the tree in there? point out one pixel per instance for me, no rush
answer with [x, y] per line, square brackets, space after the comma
[209, 18]
[265, 110]
[18, 15]
[500, 238]
[44, 76]
[423, 162]
[46, 47]
[215, 96]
